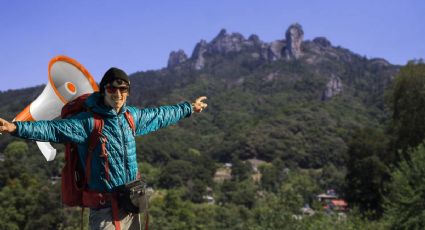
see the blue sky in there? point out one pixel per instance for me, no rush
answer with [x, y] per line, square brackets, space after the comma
[139, 35]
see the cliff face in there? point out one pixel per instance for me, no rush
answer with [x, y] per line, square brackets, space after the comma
[198, 60]
[225, 43]
[294, 38]
[316, 53]
[176, 58]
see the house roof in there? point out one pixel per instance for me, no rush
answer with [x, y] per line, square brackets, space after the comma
[339, 202]
[326, 196]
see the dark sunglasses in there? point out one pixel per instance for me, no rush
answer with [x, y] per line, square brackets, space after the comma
[112, 89]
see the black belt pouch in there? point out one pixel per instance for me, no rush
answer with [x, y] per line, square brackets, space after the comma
[132, 196]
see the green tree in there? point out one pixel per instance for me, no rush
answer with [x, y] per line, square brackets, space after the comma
[12, 166]
[240, 170]
[333, 177]
[407, 101]
[171, 212]
[240, 193]
[298, 189]
[269, 177]
[28, 199]
[195, 190]
[405, 203]
[176, 173]
[367, 173]
[149, 173]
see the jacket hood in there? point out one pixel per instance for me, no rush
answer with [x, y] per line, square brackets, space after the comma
[96, 104]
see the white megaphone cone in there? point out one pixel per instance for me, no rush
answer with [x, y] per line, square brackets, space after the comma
[68, 79]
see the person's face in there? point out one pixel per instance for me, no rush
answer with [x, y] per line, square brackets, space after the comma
[116, 95]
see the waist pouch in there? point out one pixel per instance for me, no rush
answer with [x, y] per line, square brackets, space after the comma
[132, 196]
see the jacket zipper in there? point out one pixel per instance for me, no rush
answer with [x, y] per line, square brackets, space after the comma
[125, 149]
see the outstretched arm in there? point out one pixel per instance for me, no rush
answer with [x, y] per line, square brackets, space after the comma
[74, 130]
[151, 119]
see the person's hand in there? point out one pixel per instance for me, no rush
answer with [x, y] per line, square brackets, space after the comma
[198, 105]
[7, 127]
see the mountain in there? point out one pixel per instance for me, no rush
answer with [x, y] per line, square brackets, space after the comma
[292, 100]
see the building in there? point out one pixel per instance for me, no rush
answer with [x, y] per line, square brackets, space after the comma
[332, 203]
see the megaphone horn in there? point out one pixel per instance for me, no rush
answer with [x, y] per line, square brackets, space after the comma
[68, 79]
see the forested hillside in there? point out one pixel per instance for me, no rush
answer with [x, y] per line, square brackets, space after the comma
[307, 110]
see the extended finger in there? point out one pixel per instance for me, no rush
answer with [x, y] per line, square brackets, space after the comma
[200, 99]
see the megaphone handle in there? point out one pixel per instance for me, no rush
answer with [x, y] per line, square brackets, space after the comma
[47, 150]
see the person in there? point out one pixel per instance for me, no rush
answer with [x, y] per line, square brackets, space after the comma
[110, 103]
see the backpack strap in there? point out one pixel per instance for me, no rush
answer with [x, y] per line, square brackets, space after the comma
[146, 219]
[115, 211]
[104, 155]
[130, 121]
[93, 139]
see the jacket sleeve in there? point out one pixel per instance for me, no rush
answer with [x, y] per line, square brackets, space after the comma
[58, 131]
[151, 119]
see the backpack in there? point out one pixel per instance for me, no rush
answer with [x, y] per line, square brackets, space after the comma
[74, 180]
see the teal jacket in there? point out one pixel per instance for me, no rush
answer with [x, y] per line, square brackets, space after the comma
[120, 145]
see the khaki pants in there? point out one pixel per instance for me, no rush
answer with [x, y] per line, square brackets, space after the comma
[102, 220]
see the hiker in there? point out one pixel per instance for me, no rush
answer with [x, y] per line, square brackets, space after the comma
[113, 161]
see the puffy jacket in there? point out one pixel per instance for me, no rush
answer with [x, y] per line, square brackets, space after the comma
[120, 145]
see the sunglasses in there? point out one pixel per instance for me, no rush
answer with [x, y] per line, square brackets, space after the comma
[112, 89]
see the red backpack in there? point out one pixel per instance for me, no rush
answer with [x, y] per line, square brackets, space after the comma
[74, 180]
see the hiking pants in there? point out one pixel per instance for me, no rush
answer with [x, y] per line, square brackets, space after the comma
[101, 219]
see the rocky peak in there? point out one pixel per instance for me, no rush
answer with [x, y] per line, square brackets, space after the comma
[275, 50]
[294, 38]
[224, 43]
[221, 35]
[380, 62]
[176, 58]
[198, 55]
[254, 39]
[322, 41]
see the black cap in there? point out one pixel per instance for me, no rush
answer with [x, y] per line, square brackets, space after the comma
[112, 75]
